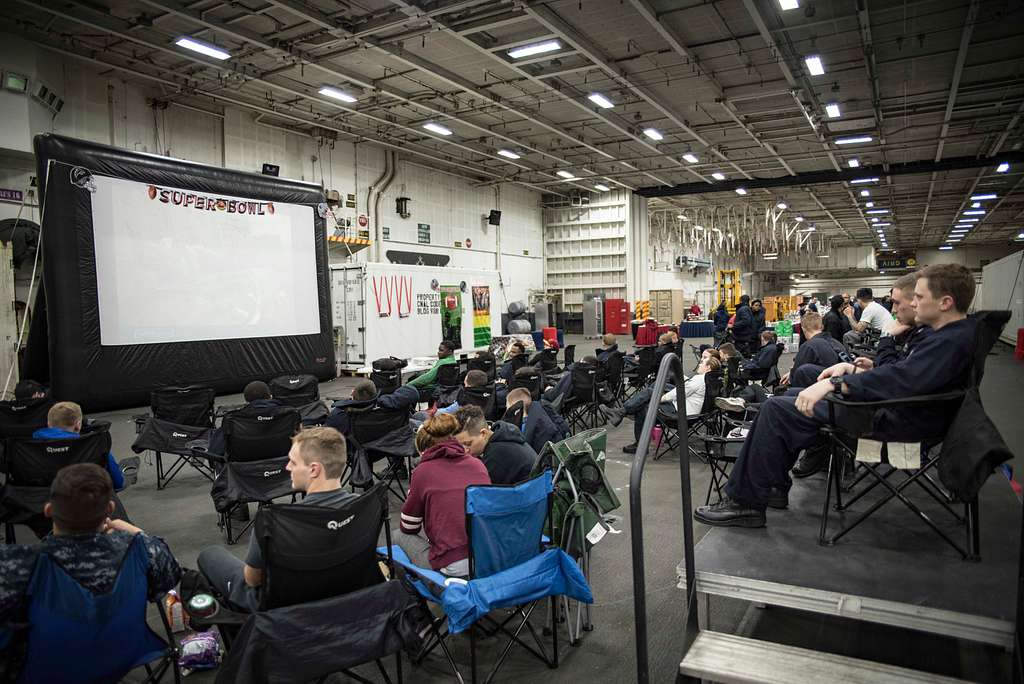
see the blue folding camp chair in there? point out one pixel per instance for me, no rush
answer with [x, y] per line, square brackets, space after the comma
[99, 638]
[510, 565]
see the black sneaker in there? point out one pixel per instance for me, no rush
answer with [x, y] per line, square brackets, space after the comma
[812, 461]
[778, 499]
[729, 513]
[614, 416]
[629, 448]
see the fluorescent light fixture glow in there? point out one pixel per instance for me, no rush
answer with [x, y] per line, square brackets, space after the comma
[987, 196]
[1003, 168]
[974, 212]
[718, 175]
[824, 256]
[602, 187]
[202, 47]
[832, 109]
[534, 49]
[600, 100]
[767, 258]
[741, 191]
[874, 220]
[853, 163]
[334, 93]
[961, 231]
[880, 225]
[854, 140]
[690, 158]
[798, 218]
[865, 180]
[653, 134]
[508, 154]
[437, 128]
[963, 220]
[682, 217]
[878, 211]
[789, 4]
[869, 204]
[781, 205]
[945, 248]
[865, 193]
[808, 229]
[1020, 236]
[952, 239]
[565, 174]
[976, 205]
[814, 65]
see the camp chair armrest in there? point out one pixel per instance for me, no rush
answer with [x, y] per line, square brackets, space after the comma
[904, 401]
[204, 452]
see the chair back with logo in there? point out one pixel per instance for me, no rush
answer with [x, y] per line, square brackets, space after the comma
[371, 425]
[22, 417]
[258, 434]
[191, 405]
[478, 396]
[448, 375]
[295, 390]
[714, 385]
[505, 523]
[316, 552]
[35, 462]
[531, 379]
[484, 362]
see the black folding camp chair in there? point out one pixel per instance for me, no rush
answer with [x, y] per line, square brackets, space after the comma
[182, 417]
[373, 434]
[637, 378]
[969, 431]
[580, 409]
[707, 420]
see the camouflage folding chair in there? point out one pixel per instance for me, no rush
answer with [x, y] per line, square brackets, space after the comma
[582, 499]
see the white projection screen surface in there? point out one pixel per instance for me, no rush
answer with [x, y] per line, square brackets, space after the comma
[175, 265]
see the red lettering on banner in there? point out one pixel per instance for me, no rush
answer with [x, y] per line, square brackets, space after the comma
[380, 287]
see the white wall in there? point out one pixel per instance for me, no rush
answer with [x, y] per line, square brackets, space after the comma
[110, 110]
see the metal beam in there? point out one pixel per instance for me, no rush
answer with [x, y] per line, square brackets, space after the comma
[839, 176]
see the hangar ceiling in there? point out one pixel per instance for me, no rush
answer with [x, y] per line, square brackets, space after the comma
[696, 88]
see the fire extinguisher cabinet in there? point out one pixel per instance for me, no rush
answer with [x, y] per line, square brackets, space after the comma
[616, 316]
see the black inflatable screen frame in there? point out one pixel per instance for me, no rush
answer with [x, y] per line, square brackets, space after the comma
[64, 339]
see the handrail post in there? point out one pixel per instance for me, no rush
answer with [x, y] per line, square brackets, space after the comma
[669, 364]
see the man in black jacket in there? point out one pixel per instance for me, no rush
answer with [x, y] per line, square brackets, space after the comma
[940, 362]
[819, 350]
[743, 330]
[764, 359]
[364, 396]
[502, 447]
[758, 313]
[533, 419]
[257, 396]
[836, 323]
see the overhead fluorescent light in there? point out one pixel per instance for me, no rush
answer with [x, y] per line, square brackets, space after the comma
[565, 174]
[334, 93]
[945, 248]
[602, 187]
[1020, 236]
[798, 218]
[741, 191]
[874, 220]
[690, 158]
[653, 134]
[869, 204]
[865, 193]
[770, 258]
[880, 225]
[1003, 168]
[964, 225]
[808, 229]
[854, 140]
[865, 180]
[814, 65]
[534, 49]
[202, 47]
[781, 205]
[987, 196]
[718, 175]
[824, 256]
[789, 4]
[600, 100]
[832, 109]
[974, 212]
[963, 220]
[508, 154]
[682, 217]
[976, 205]
[952, 239]
[853, 163]
[437, 128]
[962, 231]
[878, 211]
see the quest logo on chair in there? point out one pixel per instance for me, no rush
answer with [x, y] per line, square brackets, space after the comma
[264, 417]
[338, 524]
[57, 450]
[268, 473]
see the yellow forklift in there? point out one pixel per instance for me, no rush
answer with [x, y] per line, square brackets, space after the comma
[729, 288]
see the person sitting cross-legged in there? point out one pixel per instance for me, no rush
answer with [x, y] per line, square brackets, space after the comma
[64, 421]
[787, 424]
[433, 518]
[819, 349]
[316, 462]
[88, 546]
[502, 447]
[636, 406]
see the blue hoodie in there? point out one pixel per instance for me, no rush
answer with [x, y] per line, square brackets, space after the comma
[116, 476]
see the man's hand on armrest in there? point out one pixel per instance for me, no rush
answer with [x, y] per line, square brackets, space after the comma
[838, 369]
[253, 576]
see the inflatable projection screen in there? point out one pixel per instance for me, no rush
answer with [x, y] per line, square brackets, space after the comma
[161, 272]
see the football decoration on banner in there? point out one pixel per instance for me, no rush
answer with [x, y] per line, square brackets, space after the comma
[469, 243]
[363, 221]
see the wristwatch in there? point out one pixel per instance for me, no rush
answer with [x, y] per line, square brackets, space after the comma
[837, 383]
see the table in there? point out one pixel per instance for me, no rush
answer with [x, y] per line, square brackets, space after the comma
[691, 329]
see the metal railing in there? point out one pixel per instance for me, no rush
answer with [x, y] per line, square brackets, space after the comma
[670, 365]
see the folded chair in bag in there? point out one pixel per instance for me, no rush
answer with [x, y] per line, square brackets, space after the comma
[30, 465]
[509, 568]
[378, 433]
[303, 392]
[257, 442]
[582, 499]
[76, 636]
[971, 449]
[324, 605]
[182, 410]
[386, 374]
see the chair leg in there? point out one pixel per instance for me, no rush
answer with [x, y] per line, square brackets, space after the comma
[828, 499]
[971, 511]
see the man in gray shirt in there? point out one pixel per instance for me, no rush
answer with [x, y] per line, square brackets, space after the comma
[316, 462]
